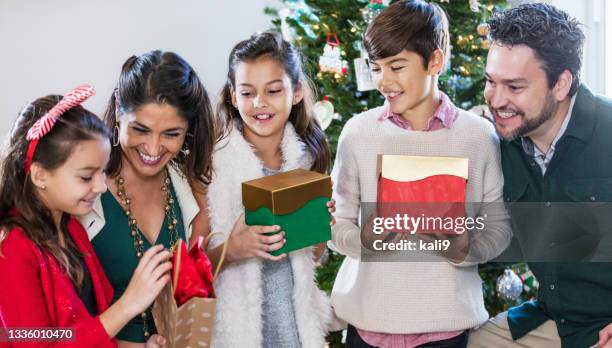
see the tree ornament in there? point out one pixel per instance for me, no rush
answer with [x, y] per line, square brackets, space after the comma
[372, 10]
[295, 9]
[509, 285]
[529, 281]
[324, 112]
[363, 75]
[474, 5]
[482, 29]
[331, 59]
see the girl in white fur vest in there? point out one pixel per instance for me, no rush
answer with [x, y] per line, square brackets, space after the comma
[264, 300]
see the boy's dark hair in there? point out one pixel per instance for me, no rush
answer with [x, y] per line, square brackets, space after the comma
[555, 37]
[413, 25]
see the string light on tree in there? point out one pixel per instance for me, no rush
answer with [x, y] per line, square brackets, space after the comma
[459, 39]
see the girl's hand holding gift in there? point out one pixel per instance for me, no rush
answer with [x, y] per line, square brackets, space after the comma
[332, 209]
[251, 241]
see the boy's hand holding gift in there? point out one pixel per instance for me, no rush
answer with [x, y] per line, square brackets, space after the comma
[184, 311]
[423, 198]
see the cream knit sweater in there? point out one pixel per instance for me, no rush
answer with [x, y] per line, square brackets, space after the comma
[414, 297]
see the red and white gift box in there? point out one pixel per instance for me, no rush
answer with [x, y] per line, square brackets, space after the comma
[422, 186]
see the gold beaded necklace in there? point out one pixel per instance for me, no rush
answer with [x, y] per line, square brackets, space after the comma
[137, 234]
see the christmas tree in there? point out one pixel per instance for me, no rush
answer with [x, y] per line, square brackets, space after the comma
[329, 34]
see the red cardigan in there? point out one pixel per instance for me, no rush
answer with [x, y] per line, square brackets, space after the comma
[35, 292]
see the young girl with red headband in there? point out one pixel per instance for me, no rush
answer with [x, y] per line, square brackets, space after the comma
[52, 170]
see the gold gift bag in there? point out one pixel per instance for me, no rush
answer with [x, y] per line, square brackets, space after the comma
[190, 325]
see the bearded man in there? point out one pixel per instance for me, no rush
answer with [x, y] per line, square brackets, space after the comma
[556, 141]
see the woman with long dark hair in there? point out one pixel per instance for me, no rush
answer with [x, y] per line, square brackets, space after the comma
[163, 132]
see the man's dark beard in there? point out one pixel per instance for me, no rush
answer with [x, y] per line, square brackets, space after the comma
[548, 111]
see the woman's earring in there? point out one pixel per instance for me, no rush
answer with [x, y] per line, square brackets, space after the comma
[185, 149]
[116, 136]
[43, 187]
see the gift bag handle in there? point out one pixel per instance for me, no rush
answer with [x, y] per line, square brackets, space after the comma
[223, 251]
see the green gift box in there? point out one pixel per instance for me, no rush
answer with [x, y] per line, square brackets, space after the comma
[295, 200]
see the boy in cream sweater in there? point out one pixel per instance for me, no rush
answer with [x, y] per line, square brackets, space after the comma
[399, 304]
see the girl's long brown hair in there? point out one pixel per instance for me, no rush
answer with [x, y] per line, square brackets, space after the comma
[306, 126]
[16, 187]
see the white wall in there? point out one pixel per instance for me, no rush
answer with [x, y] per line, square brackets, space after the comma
[591, 13]
[608, 44]
[597, 27]
[51, 46]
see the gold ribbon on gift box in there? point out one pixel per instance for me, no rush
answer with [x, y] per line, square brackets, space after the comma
[285, 192]
[411, 168]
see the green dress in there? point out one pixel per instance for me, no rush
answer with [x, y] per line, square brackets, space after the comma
[114, 246]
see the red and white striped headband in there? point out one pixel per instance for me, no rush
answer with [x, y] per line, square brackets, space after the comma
[46, 123]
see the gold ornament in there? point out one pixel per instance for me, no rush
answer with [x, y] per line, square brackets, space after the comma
[485, 44]
[483, 29]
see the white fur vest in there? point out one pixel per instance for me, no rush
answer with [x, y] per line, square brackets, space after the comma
[238, 320]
